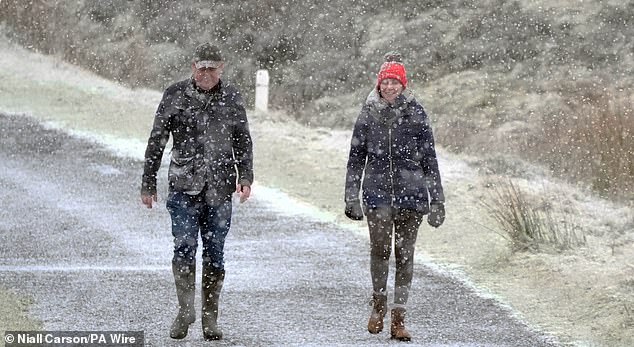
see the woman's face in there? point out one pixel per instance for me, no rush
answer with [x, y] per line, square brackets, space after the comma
[390, 89]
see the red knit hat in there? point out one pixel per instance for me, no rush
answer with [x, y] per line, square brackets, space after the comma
[392, 69]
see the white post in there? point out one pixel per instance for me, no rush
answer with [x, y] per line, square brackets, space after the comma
[261, 90]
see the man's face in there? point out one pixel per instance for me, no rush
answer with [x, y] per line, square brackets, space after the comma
[206, 77]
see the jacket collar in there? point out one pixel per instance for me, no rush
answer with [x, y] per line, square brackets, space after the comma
[382, 111]
[193, 92]
[200, 98]
[374, 99]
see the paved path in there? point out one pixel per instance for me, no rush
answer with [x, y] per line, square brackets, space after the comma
[75, 238]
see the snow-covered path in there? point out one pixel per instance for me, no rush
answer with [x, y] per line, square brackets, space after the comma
[75, 238]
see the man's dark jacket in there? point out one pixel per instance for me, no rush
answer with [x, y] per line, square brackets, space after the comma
[212, 147]
[393, 149]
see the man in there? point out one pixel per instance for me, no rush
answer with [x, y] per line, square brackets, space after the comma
[211, 157]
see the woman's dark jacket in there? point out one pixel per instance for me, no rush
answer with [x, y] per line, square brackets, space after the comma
[212, 147]
[393, 149]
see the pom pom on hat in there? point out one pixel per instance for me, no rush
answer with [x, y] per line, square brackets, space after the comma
[392, 68]
[393, 56]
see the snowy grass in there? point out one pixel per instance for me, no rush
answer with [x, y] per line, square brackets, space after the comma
[529, 225]
[55, 91]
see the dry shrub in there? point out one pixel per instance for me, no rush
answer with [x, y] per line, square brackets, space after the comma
[595, 143]
[528, 225]
[32, 22]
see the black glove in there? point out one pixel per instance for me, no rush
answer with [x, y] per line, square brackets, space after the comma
[354, 210]
[436, 214]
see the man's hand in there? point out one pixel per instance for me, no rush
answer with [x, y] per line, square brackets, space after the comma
[147, 199]
[244, 191]
[436, 214]
[354, 210]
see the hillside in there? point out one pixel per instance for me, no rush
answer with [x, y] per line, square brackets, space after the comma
[539, 81]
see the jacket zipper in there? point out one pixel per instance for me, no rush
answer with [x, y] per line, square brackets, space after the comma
[389, 136]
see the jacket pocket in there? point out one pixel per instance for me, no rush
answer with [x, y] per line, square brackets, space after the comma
[181, 172]
[410, 178]
[413, 164]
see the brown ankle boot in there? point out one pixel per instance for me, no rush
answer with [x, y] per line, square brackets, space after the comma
[379, 308]
[397, 328]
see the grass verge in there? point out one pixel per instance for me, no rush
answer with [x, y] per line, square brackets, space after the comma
[528, 225]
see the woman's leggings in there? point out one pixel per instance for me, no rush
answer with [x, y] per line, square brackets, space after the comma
[382, 222]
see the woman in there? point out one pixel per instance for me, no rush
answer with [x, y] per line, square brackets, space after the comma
[393, 149]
